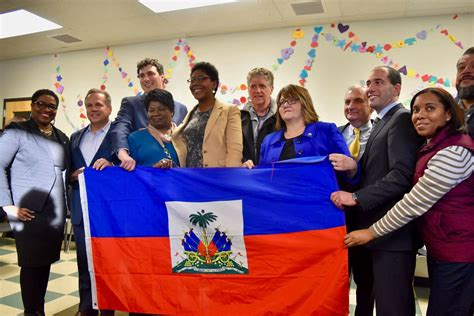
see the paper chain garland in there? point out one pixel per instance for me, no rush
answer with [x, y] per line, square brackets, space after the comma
[351, 44]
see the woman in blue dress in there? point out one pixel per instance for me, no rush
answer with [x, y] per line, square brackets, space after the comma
[153, 146]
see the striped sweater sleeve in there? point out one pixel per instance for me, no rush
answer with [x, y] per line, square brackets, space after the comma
[446, 169]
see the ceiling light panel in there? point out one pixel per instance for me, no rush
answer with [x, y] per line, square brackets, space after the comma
[159, 6]
[22, 22]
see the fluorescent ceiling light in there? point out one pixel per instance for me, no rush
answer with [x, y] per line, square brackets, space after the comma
[158, 6]
[22, 22]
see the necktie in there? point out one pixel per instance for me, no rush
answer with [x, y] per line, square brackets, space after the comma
[354, 147]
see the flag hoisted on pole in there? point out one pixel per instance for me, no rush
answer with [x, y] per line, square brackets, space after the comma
[216, 241]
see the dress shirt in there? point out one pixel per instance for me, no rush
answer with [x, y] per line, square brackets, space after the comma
[91, 142]
[365, 129]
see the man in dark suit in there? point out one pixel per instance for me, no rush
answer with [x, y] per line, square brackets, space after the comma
[90, 147]
[465, 87]
[384, 269]
[357, 111]
[132, 114]
[258, 115]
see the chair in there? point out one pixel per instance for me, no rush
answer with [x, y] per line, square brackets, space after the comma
[68, 232]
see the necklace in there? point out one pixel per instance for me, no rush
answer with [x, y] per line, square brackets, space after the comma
[47, 131]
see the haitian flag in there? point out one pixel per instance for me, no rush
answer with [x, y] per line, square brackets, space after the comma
[216, 241]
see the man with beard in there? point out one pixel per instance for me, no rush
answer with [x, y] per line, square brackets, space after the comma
[465, 87]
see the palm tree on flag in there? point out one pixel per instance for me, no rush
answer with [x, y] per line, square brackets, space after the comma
[203, 219]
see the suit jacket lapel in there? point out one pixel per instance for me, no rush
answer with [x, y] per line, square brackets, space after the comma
[377, 128]
[216, 111]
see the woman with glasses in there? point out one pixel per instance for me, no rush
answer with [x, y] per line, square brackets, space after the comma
[35, 154]
[301, 134]
[152, 146]
[211, 133]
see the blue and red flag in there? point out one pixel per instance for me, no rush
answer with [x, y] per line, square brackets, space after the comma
[223, 241]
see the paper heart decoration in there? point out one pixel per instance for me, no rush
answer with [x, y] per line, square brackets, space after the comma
[445, 32]
[425, 78]
[342, 28]
[387, 47]
[293, 43]
[433, 79]
[315, 38]
[440, 81]
[303, 74]
[60, 89]
[302, 81]
[174, 58]
[312, 53]
[421, 35]
[362, 49]
[56, 85]
[447, 83]
[363, 43]
[403, 70]
[308, 68]
[351, 35]
[314, 44]
[410, 41]
[287, 52]
[280, 61]
[371, 49]
[459, 44]
[384, 60]
[318, 29]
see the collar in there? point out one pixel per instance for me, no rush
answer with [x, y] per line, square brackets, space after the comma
[385, 110]
[367, 126]
[104, 129]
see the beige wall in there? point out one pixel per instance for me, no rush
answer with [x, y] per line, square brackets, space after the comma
[234, 54]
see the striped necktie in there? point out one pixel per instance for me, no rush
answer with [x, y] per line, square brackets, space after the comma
[354, 147]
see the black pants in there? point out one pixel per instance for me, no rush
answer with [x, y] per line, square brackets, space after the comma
[33, 283]
[386, 277]
[451, 288]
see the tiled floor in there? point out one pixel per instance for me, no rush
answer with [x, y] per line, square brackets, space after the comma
[62, 296]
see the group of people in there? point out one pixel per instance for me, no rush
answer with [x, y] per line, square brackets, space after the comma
[402, 165]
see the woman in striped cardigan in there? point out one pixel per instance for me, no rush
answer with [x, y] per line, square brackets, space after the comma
[443, 198]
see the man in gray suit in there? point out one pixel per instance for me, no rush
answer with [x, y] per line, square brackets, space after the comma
[384, 269]
[357, 111]
[132, 114]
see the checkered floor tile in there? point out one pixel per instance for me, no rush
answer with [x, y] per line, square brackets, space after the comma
[62, 296]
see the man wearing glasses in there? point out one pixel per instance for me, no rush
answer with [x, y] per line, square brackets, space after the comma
[132, 114]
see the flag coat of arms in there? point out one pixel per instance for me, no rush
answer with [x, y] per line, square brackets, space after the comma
[217, 241]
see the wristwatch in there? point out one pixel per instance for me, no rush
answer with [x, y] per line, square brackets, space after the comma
[354, 197]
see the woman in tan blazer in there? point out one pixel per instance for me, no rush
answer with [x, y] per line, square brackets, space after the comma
[211, 133]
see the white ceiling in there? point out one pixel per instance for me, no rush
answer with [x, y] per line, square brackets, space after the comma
[101, 23]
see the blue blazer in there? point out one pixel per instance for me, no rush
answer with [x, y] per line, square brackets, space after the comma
[132, 116]
[77, 161]
[318, 139]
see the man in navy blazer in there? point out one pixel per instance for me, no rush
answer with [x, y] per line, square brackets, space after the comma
[132, 114]
[90, 147]
[384, 269]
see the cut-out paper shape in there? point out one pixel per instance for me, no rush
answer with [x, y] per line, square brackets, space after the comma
[447, 83]
[425, 78]
[103, 87]
[351, 35]
[312, 53]
[355, 47]
[59, 78]
[243, 87]
[60, 89]
[293, 43]
[303, 74]
[452, 38]
[455, 17]
[275, 67]
[362, 49]
[387, 47]
[440, 81]
[280, 61]
[342, 28]
[410, 41]
[371, 49]
[363, 44]
[318, 29]
[287, 52]
[378, 49]
[82, 116]
[411, 73]
[106, 62]
[80, 103]
[130, 84]
[384, 60]
[422, 35]
[298, 33]
[314, 44]
[403, 70]
[243, 100]
[302, 82]
[459, 44]
[329, 37]
[341, 43]
[445, 32]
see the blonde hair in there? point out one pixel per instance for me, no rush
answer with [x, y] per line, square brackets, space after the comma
[302, 95]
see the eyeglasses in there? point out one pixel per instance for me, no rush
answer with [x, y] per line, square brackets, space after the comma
[43, 105]
[198, 79]
[290, 101]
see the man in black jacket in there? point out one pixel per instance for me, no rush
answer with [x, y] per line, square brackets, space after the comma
[258, 115]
